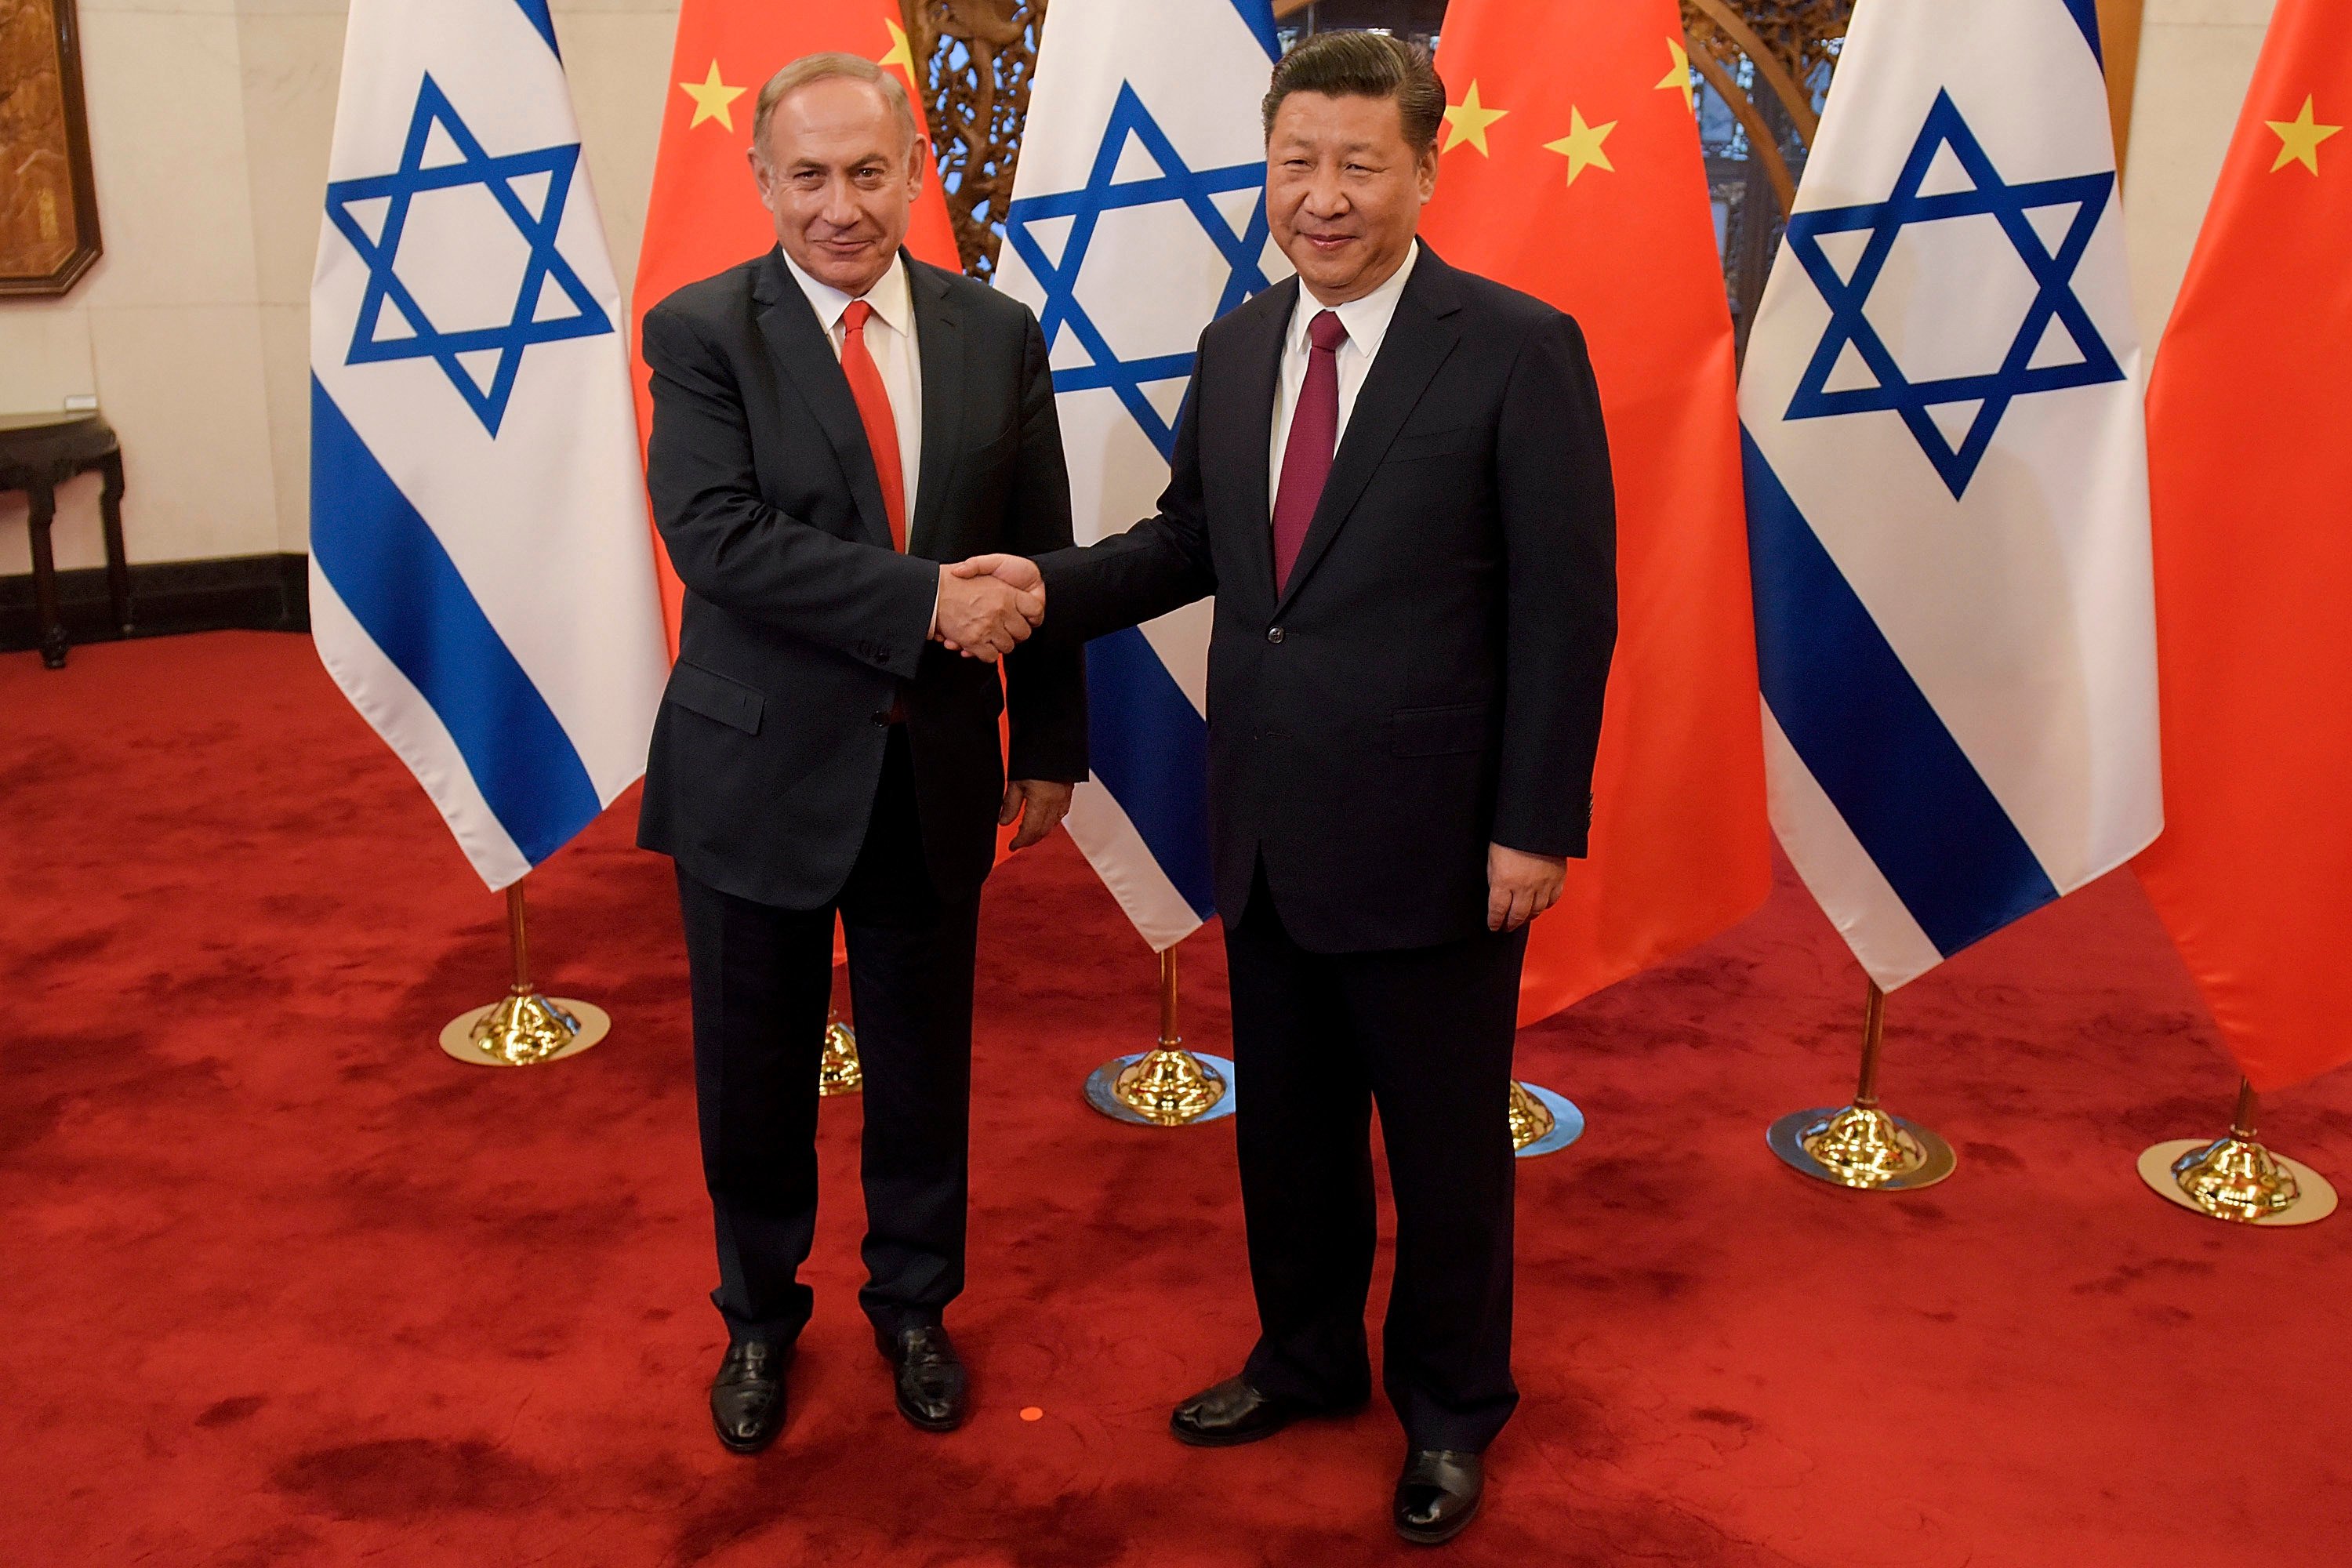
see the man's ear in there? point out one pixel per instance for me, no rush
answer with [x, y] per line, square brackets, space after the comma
[918, 163]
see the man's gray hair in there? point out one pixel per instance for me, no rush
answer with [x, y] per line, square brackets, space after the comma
[818, 68]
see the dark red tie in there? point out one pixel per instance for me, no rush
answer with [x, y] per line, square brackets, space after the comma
[1313, 432]
[874, 412]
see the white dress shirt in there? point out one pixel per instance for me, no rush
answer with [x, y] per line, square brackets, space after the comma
[1367, 320]
[890, 338]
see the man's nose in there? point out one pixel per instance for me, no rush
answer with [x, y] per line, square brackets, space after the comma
[1324, 197]
[840, 209]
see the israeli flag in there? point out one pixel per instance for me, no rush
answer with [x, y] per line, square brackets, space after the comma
[1139, 217]
[481, 568]
[1948, 487]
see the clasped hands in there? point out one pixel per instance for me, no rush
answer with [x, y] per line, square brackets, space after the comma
[989, 605]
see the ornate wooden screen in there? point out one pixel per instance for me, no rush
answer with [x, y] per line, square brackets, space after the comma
[977, 59]
[1766, 60]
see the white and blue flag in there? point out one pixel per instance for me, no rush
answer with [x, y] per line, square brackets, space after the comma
[1139, 217]
[1948, 487]
[482, 570]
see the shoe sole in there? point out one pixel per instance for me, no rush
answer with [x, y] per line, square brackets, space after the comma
[1193, 1439]
[732, 1446]
[921, 1424]
[1439, 1537]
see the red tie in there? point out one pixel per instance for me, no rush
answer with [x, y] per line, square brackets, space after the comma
[874, 413]
[1313, 432]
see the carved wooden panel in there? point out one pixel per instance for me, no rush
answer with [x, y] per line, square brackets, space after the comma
[977, 59]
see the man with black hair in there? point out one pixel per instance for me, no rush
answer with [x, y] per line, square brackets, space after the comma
[1394, 477]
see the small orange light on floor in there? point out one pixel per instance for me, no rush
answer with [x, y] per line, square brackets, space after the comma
[1032, 1413]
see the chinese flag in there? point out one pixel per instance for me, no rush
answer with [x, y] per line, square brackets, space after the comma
[704, 215]
[1570, 168]
[2250, 448]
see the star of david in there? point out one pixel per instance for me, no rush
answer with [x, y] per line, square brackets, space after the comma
[2054, 298]
[1175, 184]
[550, 302]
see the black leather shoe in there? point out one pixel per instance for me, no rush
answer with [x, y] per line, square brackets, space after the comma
[1438, 1494]
[930, 1376]
[1235, 1411]
[747, 1397]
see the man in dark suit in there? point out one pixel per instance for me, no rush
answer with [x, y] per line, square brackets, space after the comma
[1394, 477]
[831, 420]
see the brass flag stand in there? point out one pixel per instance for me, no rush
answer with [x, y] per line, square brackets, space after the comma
[1166, 1086]
[1542, 1120]
[2235, 1178]
[838, 1072]
[523, 1029]
[1859, 1145]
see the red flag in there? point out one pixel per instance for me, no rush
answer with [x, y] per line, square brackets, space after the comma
[2251, 485]
[704, 215]
[1570, 168]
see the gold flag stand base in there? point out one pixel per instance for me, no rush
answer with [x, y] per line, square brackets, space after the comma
[1542, 1121]
[523, 1029]
[1859, 1146]
[838, 1072]
[1166, 1086]
[2235, 1178]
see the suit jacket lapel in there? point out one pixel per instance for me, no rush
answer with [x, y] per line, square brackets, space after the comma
[802, 352]
[1420, 337]
[1244, 434]
[938, 343]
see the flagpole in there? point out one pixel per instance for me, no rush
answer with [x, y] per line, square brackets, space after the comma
[1166, 1086]
[1859, 1145]
[523, 1029]
[2235, 1178]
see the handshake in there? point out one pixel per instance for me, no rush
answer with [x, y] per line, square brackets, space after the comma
[988, 605]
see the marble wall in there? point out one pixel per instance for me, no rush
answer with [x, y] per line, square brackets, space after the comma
[210, 122]
[2196, 58]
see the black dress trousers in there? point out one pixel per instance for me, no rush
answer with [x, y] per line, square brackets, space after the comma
[1426, 1034]
[761, 978]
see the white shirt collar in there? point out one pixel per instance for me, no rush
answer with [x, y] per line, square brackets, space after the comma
[1366, 320]
[892, 299]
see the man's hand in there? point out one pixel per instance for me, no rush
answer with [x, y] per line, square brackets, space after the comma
[1015, 571]
[1520, 885]
[985, 617]
[1037, 804]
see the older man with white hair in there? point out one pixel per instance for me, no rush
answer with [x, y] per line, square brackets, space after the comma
[832, 419]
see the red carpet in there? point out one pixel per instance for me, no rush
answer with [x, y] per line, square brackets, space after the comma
[285, 1285]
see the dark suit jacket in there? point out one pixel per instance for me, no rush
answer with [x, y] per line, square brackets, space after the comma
[802, 624]
[1431, 677]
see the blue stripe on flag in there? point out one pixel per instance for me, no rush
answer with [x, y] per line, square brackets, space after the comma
[1872, 739]
[536, 11]
[1150, 749]
[2087, 16]
[401, 585]
[1259, 14]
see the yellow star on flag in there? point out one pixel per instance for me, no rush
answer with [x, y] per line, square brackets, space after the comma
[1581, 145]
[900, 54]
[2299, 139]
[1467, 121]
[1678, 78]
[711, 98]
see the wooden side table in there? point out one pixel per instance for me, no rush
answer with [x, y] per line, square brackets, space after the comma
[39, 452]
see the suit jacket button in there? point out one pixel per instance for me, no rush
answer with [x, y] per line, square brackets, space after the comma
[881, 718]
[1274, 633]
